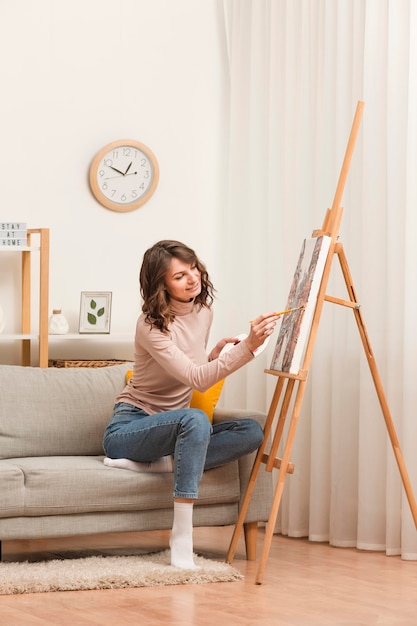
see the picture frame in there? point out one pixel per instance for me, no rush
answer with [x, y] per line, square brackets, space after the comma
[95, 312]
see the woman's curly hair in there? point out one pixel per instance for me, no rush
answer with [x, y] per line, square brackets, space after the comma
[156, 262]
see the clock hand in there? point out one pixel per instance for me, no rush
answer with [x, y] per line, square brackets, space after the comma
[128, 168]
[118, 176]
[113, 168]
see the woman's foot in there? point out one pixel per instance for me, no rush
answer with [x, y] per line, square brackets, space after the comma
[181, 542]
[163, 465]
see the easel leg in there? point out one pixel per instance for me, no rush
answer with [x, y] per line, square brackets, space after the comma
[254, 474]
[378, 384]
[280, 426]
[270, 528]
[245, 505]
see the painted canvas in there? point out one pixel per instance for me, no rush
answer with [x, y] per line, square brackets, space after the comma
[295, 326]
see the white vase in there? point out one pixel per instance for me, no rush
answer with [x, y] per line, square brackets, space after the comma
[2, 319]
[57, 324]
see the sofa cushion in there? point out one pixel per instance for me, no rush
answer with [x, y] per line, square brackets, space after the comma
[12, 490]
[83, 484]
[56, 411]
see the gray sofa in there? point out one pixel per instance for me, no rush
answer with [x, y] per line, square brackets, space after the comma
[53, 482]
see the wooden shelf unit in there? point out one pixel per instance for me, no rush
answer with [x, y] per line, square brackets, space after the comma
[26, 336]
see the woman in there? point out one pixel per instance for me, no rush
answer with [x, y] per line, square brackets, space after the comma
[152, 427]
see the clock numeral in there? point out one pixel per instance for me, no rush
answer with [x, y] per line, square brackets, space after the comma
[143, 162]
[108, 162]
[146, 174]
[101, 173]
[142, 186]
[127, 152]
[123, 197]
[104, 186]
[134, 193]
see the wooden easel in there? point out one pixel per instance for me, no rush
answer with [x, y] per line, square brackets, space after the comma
[290, 388]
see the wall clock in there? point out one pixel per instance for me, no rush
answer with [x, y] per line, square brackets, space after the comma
[124, 175]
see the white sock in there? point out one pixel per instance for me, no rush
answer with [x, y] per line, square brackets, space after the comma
[181, 541]
[160, 466]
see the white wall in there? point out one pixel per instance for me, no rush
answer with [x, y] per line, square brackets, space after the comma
[73, 78]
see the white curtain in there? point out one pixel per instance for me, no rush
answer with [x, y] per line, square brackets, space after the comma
[296, 70]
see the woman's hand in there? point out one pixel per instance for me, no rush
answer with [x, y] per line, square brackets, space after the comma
[260, 329]
[220, 345]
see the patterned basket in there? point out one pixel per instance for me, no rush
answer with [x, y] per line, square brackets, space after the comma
[66, 363]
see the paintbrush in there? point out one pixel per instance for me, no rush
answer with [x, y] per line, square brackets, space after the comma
[302, 306]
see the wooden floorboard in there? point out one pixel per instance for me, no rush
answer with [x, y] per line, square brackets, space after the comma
[305, 584]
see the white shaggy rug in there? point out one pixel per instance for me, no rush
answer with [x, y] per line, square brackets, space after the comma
[108, 572]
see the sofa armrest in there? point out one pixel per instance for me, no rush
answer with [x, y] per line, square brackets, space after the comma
[261, 501]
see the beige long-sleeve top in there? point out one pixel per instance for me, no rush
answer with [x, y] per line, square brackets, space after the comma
[168, 366]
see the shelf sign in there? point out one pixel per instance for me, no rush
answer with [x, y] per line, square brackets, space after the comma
[13, 234]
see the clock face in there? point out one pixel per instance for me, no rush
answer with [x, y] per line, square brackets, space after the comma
[124, 175]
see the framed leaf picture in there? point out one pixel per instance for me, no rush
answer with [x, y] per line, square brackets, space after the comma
[95, 312]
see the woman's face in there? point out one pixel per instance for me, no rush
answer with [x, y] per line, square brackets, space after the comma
[182, 280]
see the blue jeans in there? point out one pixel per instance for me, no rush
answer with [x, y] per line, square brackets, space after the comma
[184, 433]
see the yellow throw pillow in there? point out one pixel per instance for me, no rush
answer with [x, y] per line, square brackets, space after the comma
[204, 400]
[207, 400]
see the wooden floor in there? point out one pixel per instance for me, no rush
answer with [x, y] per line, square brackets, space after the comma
[305, 584]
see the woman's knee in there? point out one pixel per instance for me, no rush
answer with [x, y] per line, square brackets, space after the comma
[258, 433]
[197, 421]
[254, 431]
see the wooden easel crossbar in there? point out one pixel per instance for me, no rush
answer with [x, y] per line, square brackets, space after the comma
[289, 390]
